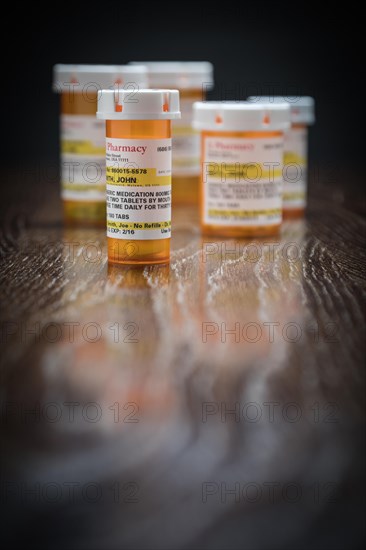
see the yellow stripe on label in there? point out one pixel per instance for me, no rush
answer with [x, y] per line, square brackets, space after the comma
[83, 187]
[127, 177]
[247, 172]
[186, 162]
[183, 131]
[81, 148]
[140, 226]
[86, 211]
[289, 157]
[245, 213]
[293, 196]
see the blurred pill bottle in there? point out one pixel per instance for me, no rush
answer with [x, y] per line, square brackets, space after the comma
[241, 167]
[193, 79]
[295, 153]
[82, 136]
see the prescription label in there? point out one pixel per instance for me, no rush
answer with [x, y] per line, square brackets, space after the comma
[295, 168]
[242, 180]
[186, 142]
[138, 176]
[82, 158]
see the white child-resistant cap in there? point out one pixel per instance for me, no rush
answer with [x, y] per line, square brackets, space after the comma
[183, 75]
[302, 107]
[101, 76]
[240, 116]
[138, 105]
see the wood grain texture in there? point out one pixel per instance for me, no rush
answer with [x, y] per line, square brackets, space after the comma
[270, 329]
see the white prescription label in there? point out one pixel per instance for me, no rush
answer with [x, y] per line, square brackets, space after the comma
[295, 169]
[242, 180]
[82, 158]
[186, 142]
[139, 186]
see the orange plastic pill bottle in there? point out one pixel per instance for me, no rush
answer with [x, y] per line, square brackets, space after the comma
[138, 153]
[241, 167]
[82, 136]
[193, 79]
[295, 153]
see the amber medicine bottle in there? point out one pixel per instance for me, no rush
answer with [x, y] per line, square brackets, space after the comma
[82, 136]
[192, 79]
[138, 173]
[241, 167]
[295, 152]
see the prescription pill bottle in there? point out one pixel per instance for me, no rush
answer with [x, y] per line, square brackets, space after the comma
[138, 173]
[192, 79]
[82, 136]
[295, 153]
[241, 167]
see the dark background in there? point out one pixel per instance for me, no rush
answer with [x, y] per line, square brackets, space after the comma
[254, 48]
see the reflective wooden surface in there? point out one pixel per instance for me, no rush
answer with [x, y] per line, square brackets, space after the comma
[213, 403]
